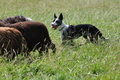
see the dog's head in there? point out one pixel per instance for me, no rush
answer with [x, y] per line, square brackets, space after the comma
[57, 21]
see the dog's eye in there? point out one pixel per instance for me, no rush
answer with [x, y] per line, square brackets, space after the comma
[57, 21]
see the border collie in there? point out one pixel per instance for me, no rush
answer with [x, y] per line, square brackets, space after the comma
[70, 32]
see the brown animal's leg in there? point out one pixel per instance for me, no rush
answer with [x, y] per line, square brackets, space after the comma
[15, 52]
[42, 50]
[25, 50]
[46, 50]
[2, 52]
[53, 47]
[10, 54]
[26, 53]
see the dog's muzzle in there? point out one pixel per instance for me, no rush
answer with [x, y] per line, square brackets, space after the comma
[53, 26]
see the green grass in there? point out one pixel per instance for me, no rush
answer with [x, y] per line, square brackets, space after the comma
[86, 62]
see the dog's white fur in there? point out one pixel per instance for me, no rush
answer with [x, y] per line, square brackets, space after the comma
[62, 29]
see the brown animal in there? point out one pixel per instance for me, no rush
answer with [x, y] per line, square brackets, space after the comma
[15, 19]
[10, 41]
[35, 34]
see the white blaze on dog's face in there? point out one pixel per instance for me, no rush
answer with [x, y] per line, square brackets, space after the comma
[57, 22]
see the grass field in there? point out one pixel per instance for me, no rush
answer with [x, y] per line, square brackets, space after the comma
[87, 62]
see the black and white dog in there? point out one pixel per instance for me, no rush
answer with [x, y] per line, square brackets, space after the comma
[70, 32]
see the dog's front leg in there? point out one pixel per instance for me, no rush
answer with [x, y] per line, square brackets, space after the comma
[64, 42]
[63, 39]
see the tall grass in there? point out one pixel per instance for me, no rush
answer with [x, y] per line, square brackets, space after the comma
[86, 62]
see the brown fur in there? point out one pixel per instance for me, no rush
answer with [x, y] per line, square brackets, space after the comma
[14, 19]
[35, 34]
[10, 41]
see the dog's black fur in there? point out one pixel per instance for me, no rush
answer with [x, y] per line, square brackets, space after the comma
[70, 32]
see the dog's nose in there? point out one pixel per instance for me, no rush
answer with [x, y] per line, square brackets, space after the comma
[53, 26]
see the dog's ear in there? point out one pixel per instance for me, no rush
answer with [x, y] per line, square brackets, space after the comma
[55, 15]
[61, 16]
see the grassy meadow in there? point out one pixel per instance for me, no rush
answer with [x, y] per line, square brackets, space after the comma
[79, 62]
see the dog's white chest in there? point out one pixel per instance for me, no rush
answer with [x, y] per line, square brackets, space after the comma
[64, 33]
